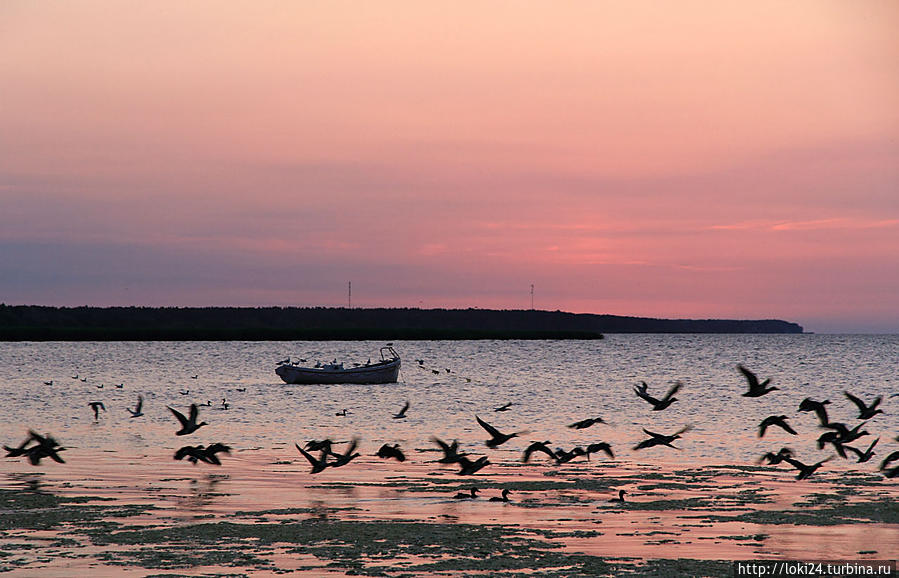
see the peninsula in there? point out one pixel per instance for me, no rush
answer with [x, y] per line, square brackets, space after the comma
[43, 323]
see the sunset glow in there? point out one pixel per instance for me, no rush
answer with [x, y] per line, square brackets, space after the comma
[699, 159]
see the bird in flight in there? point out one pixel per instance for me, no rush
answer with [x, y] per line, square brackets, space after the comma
[138, 409]
[656, 439]
[97, 406]
[402, 413]
[779, 421]
[188, 424]
[585, 423]
[865, 411]
[658, 404]
[756, 388]
[497, 437]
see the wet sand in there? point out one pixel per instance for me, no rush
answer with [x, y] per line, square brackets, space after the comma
[263, 514]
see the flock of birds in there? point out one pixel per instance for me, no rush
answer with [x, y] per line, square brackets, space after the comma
[321, 453]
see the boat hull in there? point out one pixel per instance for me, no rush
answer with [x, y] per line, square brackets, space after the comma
[384, 372]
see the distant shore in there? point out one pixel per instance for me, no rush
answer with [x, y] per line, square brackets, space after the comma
[43, 323]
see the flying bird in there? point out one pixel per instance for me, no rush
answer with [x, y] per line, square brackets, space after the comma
[778, 420]
[537, 447]
[658, 404]
[402, 413]
[756, 388]
[97, 406]
[805, 470]
[661, 439]
[451, 453]
[188, 424]
[387, 451]
[348, 455]
[780, 456]
[318, 465]
[563, 456]
[138, 409]
[808, 404]
[468, 467]
[497, 437]
[863, 456]
[199, 453]
[504, 407]
[600, 447]
[585, 423]
[865, 411]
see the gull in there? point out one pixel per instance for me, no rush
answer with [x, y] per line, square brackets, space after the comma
[138, 409]
[497, 437]
[808, 404]
[756, 389]
[661, 439]
[778, 420]
[402, 412]
[394, 451]
[658, 404]
[865, 411]
[451, 452]
[864, 456]
[188, 425]
[505, 497]
[805, 470]
[537, 447]
[585, 423]
[97, 406]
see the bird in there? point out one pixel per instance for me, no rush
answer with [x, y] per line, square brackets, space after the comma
[537, 447]
[585, 423]
[504, 407]
[97, 406]
[99, 386]
[661, 439]
[778, 420]
[188, 425]
[348, 455]
[241, 389]
[320, 445]
[497, 437]
[199, 453]
[318, 465]
[863, 456]
[451, 453]
[471, 495]
[138, 409]
[468, 467]
[394, 451]
[341, 413]
[46, 447]
[805, 470]
[184, 391]
[563, 456]
[620, 497]
[225, 404]
[119, 385]
[48, 382]
[505, 497]
[865, 411]
[808, 404]
[658, 404]
[402, 413]
[832, 437]
[599, 447]
[756, 389]
[846, 435]
[194, 376]
[21, 450]
[886, 461]
[773, 458]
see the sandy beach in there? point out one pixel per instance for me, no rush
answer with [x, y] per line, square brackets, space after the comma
[261, 513]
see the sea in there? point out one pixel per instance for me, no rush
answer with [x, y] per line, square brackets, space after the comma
[48, 386]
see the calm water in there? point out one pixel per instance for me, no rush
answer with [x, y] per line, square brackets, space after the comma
[551, 383]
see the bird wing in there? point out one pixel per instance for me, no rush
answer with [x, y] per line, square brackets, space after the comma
[674, 389]
[858, 402]
[490, 429]
[307, 455]
[179, 415]
[140, 404]
[194, 411]
[653, 434]
[750, 377]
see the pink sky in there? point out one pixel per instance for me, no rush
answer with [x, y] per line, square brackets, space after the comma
[699, 159]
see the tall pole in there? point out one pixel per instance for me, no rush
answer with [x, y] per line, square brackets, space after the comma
[349, 295]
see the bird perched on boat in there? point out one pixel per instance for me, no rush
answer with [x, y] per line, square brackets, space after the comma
[348, 455]
[504, 498]
[468, 467]
[865, 411]
[778, 420]
[585, 423]
[504, 407]
[756, 388]
[805, 470]
[599, 447]
[808, 404]
[200, 453]
[387, 451]
[620, 497]
[537, 447]
[658, 404]
[451, 453]
[402, 413]
[661, 439]
[563, 456]
[471, 495]
[188, 424]
[97, 406]
[497, 437]
[138, 409]
[863, 456]
[780, 456]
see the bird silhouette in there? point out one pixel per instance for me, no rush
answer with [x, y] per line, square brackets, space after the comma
[808, 404]
[471, 495]
[497, 437]
[341, 413]
[46, 447]
[318, 465]
[20, 450]
[600, 447]
[468, 467]
[658, 404]
[779, 421]
[348, 455]
[97, 406]
[585, 423]
[773, 458]
[504, 498]
[865, 411]
[402, 413]
[138, 409]
[805, 470]
[199, 453]
[537, 447]
[394, 451]
[863, 456]
[661, 439]
[504, 407]
[188, 424]
[756, 389]
[620, 497]
[563, 456]
[451, 453]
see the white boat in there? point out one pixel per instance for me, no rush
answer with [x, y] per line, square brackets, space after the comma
[384, 371]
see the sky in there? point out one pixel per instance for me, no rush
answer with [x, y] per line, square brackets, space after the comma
[697, 159]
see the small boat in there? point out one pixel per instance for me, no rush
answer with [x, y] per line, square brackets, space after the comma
[384, 371]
